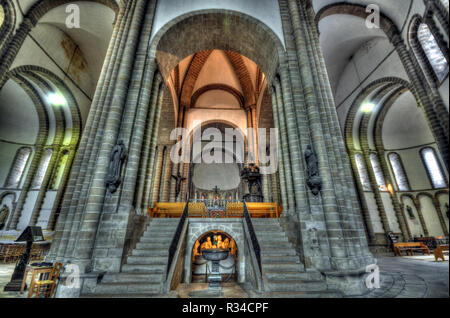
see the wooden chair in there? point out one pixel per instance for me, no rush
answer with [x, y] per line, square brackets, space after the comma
[48, 284]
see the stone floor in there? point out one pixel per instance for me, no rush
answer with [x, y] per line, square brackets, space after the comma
[401, 277]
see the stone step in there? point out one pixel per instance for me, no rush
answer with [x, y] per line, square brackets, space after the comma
[154, 245]
[273, 245]
[156, 239]
[298, 285]
[305, 294]
[295, 275]
[271, 236]
[133, 277]
[147, 260]
[127, 288]
[150, 252]
[276, 259]
[136, 268]
[282, 267]
[162, 221]
[277, 251]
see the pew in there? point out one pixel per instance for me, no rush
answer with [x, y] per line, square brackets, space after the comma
[439, 252]
[409, 248]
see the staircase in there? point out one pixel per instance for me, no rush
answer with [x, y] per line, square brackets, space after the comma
[144, 272]
[283, 274]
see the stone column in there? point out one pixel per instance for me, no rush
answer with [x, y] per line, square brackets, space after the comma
[286, 151]
[97, 189]
[283, 186]
[147, 143]
[157, 176]
[165, 191]
[72, 193]
[337, 218]
[153, 143]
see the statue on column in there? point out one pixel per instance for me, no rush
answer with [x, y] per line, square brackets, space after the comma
[116, 160]
[313, 180]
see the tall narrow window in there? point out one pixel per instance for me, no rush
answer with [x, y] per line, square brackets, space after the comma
[378, 171]
[42, 169]
[433, 52]
[18, 167]
[433, 168]
[362, 171]
[445, 4]
[399, 172]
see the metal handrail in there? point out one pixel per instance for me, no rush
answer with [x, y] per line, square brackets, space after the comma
[251, 230]
[176, 237]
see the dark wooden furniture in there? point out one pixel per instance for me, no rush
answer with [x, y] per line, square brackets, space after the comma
[410, 248]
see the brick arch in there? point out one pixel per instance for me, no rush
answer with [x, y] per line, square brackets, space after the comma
[195, 66]
[241, 70]
[202, 90]
[216, 29]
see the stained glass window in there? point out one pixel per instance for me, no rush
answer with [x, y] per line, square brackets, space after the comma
[433, 52]
[18, 168]
[378, 171]
[42, 169]
[362, 171]
[433, 168]
[399, 172]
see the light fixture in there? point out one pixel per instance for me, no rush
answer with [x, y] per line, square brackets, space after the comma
[56, 99]
[367, 107]
[390, 189]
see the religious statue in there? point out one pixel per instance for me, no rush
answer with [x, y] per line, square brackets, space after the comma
[313, 181]
[226, 243]
[116, 160]
[178, 181]
[4, 213]
[207, 244]
[410, 212]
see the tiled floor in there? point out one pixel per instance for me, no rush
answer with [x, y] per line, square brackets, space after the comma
[410, 277]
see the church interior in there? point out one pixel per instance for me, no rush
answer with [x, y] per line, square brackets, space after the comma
[235, 149]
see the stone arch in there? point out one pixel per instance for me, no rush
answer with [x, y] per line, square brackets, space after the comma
[7, 25]
[40, 8]
[386, 24]
[229, 229]
[202, 90]
[228, 29]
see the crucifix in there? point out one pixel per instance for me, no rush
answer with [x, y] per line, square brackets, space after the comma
[216, 190]
[178, 181]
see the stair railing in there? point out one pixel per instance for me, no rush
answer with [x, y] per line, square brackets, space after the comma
[254, 239]
[176, 237]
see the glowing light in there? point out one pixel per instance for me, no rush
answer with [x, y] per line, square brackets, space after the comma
[390, 189]
[367, 107]
[56, 99]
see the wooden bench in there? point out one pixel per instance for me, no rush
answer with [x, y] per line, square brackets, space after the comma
[167, 210]
[410, 248]
[439, 252]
